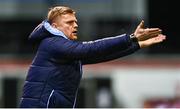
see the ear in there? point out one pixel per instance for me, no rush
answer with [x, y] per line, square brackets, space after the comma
[54, 25]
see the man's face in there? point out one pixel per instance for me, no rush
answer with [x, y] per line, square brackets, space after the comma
[67, 23]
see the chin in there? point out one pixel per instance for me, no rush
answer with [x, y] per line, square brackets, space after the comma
[73, 38]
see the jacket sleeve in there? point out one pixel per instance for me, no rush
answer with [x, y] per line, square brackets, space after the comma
[72, 50]
[134, 47]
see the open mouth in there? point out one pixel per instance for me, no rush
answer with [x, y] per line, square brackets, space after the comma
[74, 32]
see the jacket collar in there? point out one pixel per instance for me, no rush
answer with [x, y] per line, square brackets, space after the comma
[53, 30]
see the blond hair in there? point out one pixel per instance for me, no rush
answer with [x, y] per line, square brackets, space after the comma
[56, 11]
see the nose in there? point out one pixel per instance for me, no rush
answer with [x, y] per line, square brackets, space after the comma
[75, 24]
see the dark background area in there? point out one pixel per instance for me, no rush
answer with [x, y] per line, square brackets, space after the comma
[164, 14]
[14, 36]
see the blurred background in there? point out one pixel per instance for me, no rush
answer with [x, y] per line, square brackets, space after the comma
[147, 78]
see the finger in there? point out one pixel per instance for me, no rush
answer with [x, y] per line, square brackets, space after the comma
[150, 32]
[152, 29]
[155, 33]
[149, 35]
[158, 39]
[162, 36]
[141, 25]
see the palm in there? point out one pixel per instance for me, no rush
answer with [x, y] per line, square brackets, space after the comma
[153, 40]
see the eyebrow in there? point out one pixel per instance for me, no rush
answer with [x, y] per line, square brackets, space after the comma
[72, 21]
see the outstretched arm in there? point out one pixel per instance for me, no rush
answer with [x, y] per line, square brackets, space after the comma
[105, 49]
[142, 37]
[133, 48]
[73, 50]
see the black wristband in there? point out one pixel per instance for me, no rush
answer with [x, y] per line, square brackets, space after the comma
[133, 38]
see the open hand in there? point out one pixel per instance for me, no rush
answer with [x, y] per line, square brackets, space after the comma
[151, 41]
[143, 34]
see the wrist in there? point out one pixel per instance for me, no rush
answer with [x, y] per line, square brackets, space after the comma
[142, 44]
[133, 38]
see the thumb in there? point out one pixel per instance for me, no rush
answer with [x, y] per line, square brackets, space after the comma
[141, 25]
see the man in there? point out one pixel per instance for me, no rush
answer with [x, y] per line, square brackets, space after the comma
[55, 73]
